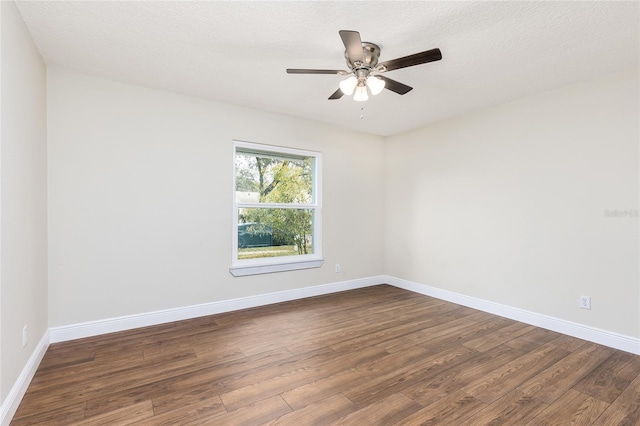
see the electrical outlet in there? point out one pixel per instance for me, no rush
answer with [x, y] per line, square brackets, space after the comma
[585, 302]
[338, 268]
[24, 336]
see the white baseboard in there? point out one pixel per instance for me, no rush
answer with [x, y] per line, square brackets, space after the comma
[595, 335]
[13, 399]
[110, 325]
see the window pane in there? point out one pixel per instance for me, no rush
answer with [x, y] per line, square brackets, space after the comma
[274, 232]
[267, 178]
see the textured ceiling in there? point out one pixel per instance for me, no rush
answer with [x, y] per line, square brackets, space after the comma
[237, 52]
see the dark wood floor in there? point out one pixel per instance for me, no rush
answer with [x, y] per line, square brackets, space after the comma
[373, 356]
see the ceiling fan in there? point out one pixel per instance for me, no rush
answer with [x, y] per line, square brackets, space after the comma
[365, 71]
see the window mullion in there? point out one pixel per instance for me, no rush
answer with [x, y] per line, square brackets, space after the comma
[275, 206]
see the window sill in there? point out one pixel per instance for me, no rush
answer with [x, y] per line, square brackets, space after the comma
[241, 271]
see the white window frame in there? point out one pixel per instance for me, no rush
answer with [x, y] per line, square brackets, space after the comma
[281, 263]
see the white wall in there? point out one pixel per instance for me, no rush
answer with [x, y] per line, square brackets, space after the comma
[508, 204]
[23, 197]
[140, 191]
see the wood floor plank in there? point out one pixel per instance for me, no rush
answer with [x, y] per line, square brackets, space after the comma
[567, 343]
[551, 383]
[329, 337]
[480, 329]
[384, 382]
[189, 416]
[223, 377]
[375, 355]
[625, 410]
[446, 382]
[178, 409]
[322, 331]
[482, 365]
[506, 378]
[207, 352]
[308, 334]
[60, 416]
[515, 408]
[442, 341]
[426, 336]
[113, 382]
[498, 337]
[196, 398]
[259, 412]
[56, 359]
[71, 375]
[324, 387]
[129, 391]
[322, 412]
[303, 373]
[164, 352]
[451, 410]
[379, 337]
[532, 340]
[429, 391]
[132, 414]
[383, 368]
[387, 411]
[240, 379]
[572, 408]
[607, 381]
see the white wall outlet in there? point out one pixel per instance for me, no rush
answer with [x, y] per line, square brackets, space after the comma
[24, 336]
[338, 268]
[585, 302]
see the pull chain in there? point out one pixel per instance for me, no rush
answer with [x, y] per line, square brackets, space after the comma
[361, 113]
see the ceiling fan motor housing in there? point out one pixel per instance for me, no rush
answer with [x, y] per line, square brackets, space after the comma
[370, 53]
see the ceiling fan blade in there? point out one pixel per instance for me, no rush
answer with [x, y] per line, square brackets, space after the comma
[336, 95]
[411, 60]
[394, 86]
[353, 44]
[307, 71]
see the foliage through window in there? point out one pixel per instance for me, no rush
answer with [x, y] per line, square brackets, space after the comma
[276, 206]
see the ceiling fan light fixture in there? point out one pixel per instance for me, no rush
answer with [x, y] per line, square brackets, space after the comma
[361, 94]
[347, 86]
[362, 61]
[375, 84]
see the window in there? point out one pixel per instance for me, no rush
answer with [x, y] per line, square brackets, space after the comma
[276, 209]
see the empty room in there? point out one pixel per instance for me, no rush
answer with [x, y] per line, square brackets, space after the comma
[319, 213]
